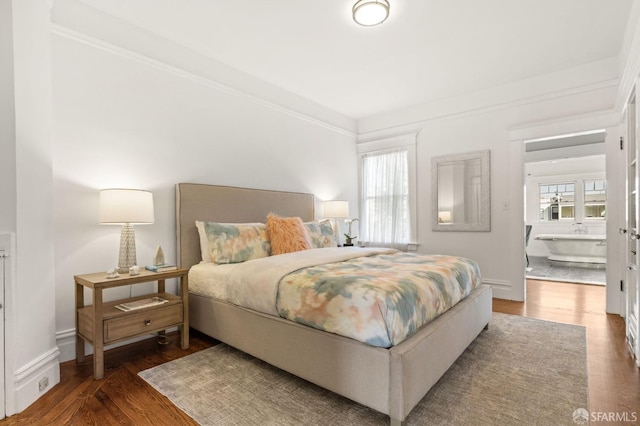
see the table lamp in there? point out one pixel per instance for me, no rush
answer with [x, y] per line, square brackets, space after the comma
[126, 207]
[335, 210]
[444, 216]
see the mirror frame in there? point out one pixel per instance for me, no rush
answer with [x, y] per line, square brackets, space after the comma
[485, 193]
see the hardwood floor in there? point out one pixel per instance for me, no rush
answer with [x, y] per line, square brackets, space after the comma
[123, 398]
[614, 379]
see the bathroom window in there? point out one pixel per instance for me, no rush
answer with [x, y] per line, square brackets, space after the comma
[595, 199]
[557, 201]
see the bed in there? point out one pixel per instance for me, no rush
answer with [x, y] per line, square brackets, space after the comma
[390, 380]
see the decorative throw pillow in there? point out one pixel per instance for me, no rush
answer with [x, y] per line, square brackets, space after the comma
[287, 234]
[321, 234]
[233, 242]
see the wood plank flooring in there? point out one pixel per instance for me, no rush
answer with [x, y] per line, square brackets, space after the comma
[614, 379]
[122, 398]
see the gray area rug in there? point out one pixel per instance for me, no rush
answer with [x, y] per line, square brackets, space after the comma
[519, 371]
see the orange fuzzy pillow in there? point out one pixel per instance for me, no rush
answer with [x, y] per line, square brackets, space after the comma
[287, 234]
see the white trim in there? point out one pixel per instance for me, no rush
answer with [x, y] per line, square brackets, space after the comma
[62, 31]
[497, 284]
[568, 135]
[458, 113]
[579, 123]
[31, 368]
[8, 243]
[608, 120]
[501, 289]
[26, 379]
[388, 143]
[66, 342]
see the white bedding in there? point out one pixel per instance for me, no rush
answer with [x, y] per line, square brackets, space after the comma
[254, 284]
[210, 280]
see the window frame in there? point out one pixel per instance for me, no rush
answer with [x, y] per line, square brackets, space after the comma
[408, 141]
[586, 203]
[579, 202]
[556, 183]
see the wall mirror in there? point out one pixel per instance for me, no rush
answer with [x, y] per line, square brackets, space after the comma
[461, 192]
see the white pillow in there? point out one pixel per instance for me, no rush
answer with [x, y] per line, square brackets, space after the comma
[227, 248]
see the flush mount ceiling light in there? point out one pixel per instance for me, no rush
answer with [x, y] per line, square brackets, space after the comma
[370, 12]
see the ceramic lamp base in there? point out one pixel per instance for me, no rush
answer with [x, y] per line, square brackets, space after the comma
[127, 249]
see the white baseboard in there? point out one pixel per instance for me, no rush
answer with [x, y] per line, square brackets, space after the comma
[501, 289]
[26, 381]
[66, 341]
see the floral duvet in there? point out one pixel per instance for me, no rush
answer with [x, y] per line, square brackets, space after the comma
[378, 297]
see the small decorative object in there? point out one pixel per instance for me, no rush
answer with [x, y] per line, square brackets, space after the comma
[134, 270]
[158, 258]
[348, 236]
[113, 273]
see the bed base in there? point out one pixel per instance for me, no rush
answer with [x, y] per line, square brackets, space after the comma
[391, 381]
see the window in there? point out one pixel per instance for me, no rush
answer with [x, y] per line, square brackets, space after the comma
[557, 201]
[387, 173]
[385, 197]
[579, 200]
[595, 198]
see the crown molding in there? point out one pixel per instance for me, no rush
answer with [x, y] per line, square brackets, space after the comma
[461, 112]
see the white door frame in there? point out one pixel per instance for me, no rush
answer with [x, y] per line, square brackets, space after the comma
[610, 122]
[7, 280]
[632, 290]
[4, 259]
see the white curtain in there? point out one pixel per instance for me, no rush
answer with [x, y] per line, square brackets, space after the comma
[385, 199]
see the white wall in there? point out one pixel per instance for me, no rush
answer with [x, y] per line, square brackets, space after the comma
[7, 122]
[30, 345]
[124, 119]
[465, 124]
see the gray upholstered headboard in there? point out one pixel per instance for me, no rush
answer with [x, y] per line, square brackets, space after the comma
[231, 205]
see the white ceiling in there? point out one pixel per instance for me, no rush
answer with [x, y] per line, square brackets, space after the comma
[426, 50]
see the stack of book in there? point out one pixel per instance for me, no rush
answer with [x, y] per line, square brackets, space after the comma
[161, 268]
[143, 303]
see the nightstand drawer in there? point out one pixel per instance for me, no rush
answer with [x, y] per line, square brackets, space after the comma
[143, 322]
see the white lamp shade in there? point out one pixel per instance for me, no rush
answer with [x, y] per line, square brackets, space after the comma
[370, 12]
[336, 209]
[444, 216]
[120, 206]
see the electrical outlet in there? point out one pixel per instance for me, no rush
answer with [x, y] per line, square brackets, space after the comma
[43, 383]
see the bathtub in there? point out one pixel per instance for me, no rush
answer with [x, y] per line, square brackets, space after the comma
[580, 250]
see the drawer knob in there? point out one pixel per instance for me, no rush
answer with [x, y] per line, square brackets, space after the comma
[147, 322]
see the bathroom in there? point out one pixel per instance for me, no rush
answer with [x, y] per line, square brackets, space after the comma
[565, 207]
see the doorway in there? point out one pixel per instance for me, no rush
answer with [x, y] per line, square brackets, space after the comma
[565, 207]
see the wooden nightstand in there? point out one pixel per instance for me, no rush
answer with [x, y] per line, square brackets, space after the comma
[102, 323]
